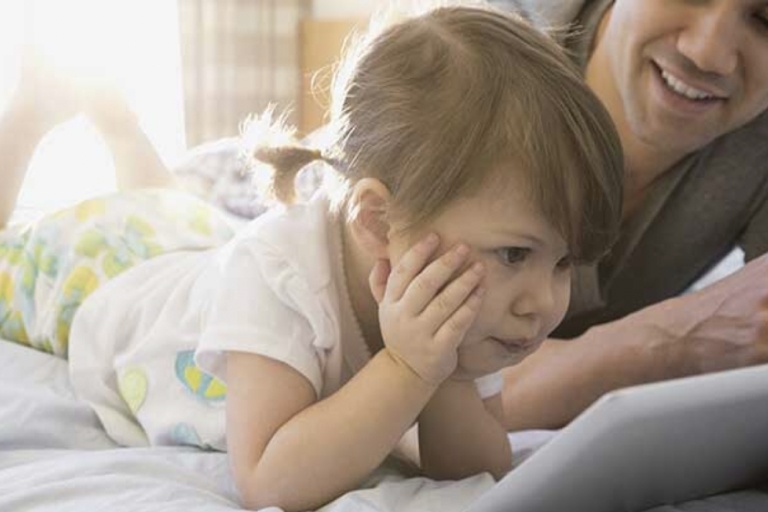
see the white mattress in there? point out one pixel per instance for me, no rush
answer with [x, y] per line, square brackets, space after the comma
[54, 456]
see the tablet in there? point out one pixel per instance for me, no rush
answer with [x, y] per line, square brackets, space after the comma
[648, 445]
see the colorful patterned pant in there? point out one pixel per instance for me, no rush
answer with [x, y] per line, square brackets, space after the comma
[48, 268]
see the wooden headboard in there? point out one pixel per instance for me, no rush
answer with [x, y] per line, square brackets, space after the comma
[320, 48]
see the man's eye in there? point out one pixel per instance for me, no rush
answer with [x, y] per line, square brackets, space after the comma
[762, 17]
[566, 262]
[513, 255]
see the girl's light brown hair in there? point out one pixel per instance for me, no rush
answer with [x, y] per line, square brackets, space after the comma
[441, 104]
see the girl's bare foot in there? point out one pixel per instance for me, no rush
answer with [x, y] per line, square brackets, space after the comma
[45, 94]
[137, 162]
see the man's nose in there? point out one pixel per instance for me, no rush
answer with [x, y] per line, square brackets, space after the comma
[710, 40]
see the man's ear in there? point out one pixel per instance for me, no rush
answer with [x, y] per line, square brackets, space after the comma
[369, 206]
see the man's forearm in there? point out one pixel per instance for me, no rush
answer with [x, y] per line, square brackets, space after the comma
[720, 327]
[564, 377]
[459, 437]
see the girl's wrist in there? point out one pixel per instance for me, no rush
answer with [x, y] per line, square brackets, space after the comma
[405, 369]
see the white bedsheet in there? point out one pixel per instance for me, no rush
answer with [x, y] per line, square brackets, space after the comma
[54, 456]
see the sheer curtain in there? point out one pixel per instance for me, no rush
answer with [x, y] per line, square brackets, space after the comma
[239, 57]
[136, 44]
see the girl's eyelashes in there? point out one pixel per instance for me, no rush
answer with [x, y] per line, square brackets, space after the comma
[510, 256]
[513, 255]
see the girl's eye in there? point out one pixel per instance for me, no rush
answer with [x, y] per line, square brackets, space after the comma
[513, 255]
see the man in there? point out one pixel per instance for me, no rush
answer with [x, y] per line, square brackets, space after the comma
[687, 86]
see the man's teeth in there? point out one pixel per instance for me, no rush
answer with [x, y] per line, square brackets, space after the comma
[684, 89]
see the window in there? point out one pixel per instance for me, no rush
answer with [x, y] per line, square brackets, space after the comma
[134, 43]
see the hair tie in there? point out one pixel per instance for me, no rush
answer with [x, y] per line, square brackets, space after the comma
[333, 162]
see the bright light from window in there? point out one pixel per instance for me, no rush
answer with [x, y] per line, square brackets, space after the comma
[135, 43]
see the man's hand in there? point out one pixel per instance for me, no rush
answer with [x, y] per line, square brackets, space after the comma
[722, 326]
[425, 309]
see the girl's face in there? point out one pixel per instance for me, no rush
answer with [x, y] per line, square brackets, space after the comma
[686, 72]
[527, 272]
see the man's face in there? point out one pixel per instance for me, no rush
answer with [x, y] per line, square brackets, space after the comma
[685, 72]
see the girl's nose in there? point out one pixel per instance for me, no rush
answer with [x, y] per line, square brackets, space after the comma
[537, 298]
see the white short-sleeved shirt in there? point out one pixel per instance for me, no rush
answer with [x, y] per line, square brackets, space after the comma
[282, 293]
[299, 308]
[277, 289]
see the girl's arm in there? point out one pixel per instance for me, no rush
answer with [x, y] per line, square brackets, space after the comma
[461, 435]
[290, 451]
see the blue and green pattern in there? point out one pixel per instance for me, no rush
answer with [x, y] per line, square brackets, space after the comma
[202, 385]
[47, 269]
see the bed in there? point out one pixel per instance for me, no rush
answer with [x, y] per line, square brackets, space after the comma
[55, 456]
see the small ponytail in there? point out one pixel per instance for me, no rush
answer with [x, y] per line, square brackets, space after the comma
[286, 162]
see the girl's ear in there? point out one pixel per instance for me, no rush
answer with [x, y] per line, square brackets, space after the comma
[369, 205]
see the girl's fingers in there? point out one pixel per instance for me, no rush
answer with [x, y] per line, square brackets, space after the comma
[409, 266]
[378, 279]
[426, 286]
[451, 298]
[452, 331]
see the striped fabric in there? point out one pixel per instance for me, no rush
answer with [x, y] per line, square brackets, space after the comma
[238, 56]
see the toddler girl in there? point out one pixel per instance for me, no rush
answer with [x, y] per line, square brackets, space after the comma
[472, 169]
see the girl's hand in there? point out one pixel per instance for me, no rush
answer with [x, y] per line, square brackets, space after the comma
[425, 309]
